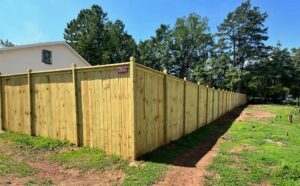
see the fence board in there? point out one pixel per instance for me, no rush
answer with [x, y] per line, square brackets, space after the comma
[202, 106]
[15, 105]
[150, 110]
[175, 101]
[191, 105]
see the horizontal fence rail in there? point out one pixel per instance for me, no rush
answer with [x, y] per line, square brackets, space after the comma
[126, 109]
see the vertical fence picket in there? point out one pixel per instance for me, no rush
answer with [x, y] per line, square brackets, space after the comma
[30, 123]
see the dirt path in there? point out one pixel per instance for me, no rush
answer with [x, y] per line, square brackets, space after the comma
[254, 112]
[188, 170]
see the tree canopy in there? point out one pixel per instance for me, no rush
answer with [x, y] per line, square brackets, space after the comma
[236, 57]
[97, 39]
[5, 43]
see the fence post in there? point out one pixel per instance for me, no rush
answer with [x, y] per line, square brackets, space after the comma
[213, 104]
[218, 115]
[198, 98]
[206, 106]
[165, 106]
[184, 101]
[30, 124]
[133, 124]
[1, 111]
[77, 128]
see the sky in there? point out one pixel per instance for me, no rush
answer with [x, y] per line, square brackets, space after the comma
[33, 21]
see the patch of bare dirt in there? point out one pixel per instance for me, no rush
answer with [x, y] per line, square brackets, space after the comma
[55, 173]
[190, 168]
[245, 147]
[64, 177]
[61, 176]
[254, 112]
[184, 174]
[264, 183]
[279, 143]
[13, 180]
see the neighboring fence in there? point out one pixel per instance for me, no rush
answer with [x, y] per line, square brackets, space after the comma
[125, 109]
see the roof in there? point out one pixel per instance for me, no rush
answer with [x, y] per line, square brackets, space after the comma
[44, 44]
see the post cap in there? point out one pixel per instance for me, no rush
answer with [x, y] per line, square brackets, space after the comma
[73, 65]
[165, 71]
[29, 70]
[184, 78]
[132, 59]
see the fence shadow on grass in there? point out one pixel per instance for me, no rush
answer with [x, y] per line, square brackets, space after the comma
[187, 151]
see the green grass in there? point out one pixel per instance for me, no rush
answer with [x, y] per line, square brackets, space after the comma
[27, 141]
[87, 159]
[150, 168]
[10, 166]
[35, 181]
[268, 151]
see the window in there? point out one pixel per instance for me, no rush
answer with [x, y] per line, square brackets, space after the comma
[47, 56]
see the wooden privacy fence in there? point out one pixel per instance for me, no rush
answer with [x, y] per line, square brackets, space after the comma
[126, 109]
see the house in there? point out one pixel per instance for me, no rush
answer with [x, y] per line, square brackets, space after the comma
[39, 57]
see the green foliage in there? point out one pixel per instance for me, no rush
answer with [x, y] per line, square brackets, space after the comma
[181, 49]
[119, 45]
[235, 58]
[86, 34]
[98, 40]
[5, 43]
[9, 166]
[273, 77]
[32, 142]
[241, 37]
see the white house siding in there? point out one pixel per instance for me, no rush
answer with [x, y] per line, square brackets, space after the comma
[18, 60]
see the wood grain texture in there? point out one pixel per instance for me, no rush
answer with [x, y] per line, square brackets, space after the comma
[128, 111]
[191, 105]
[149, 95]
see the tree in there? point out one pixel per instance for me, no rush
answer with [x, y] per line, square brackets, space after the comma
[86, 34]
[273, 77]
[182, 50]
[119, 45]
[192, 43]
[242, 35]
[156, 52]
[99, 40]
[295, 89]
[5, 43]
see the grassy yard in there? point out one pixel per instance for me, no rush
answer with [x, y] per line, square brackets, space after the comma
[259, 150]
[256, 150]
